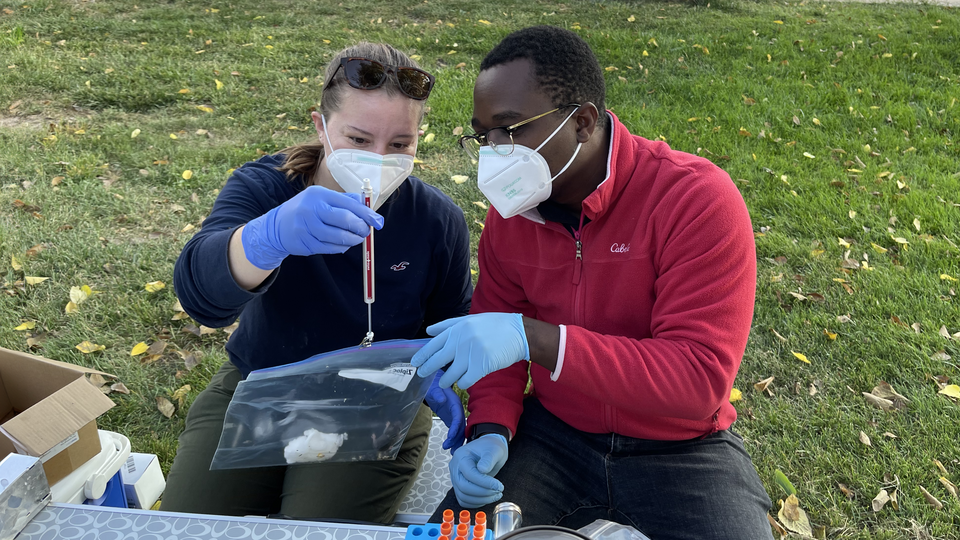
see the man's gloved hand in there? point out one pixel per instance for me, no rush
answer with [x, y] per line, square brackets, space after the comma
[446, 403]
[317, 220]
[473, 468]
[476, 345]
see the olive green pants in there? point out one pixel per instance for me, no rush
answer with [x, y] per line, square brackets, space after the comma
[359, 491]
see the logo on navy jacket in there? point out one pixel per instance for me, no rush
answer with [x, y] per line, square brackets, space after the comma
[399, 266]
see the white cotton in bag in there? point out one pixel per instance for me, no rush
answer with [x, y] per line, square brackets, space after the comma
[313, 446]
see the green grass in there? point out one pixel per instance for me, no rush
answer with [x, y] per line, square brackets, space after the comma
[726, 82]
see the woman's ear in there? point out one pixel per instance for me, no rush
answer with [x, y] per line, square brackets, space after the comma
[586, 119]
[318, 123]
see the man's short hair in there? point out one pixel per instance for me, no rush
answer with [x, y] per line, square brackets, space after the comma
[564, 66]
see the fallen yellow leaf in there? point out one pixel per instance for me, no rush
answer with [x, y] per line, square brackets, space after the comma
[134, 133]
[87, 347]
[878, 249]
[829, 334]
[219, 84]
[71, 307]
[459, 178]
[31, 280]
[205, 108]
[139, 349]
[154, 286]
[429, 138]
[735, 395]
[946, 277]
[15, 264]
[29, 325]
[951, 390]
[187, 174]
[481, 21]
[801, 357]
[481, 204]
[843, 242]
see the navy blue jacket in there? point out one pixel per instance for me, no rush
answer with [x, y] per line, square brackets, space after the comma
[315, 304]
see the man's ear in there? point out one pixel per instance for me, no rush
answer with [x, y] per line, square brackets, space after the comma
[586, 119]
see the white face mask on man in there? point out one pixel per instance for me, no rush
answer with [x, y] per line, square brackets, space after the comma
[520, 181]
[349, 167]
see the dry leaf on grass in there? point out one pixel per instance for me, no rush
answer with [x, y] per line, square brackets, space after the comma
[880, 500]
[847, 492]
[878, 402]
[120, 388]
[931, 500]
[181, 393]
[777, 527]
[164, 406]
[865, 439]
[764, 385]
[793, 517]
[885, 391]
[951, 487]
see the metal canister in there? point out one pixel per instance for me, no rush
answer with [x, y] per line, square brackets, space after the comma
[506, 518]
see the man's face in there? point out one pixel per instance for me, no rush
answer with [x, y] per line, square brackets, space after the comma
[508, 93]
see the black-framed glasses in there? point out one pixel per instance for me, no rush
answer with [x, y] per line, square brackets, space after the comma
[366, 74]
[500, 138]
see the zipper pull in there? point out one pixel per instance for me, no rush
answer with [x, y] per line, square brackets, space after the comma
[578, 263]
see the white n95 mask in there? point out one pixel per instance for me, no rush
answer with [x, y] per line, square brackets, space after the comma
[349, 167]
[519, 182]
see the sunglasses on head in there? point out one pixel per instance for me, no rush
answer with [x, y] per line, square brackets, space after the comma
[365, 74]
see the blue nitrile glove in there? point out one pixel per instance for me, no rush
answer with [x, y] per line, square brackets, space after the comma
[317, 220]
[446, 403]
[473, 468]
[477, 345]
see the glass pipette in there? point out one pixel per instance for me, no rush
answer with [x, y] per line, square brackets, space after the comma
[368, 287]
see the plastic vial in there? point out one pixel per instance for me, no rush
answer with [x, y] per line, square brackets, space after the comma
[446, 528]
[463, 530]
[506, 518]
[480, 518]
[448, 516]
[479, 531]
[465, 516]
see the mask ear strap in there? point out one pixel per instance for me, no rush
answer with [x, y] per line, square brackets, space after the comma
[575, 152]
[537, 149]
[326, 135]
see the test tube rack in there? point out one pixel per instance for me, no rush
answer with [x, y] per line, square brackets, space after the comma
[464, 529]
[431, 531]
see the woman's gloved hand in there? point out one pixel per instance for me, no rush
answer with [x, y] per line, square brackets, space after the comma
[446, 403]
[316, 221]
[474, 346]
[473, 468]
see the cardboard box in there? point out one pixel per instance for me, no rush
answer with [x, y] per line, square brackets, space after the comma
[142, 480]
[24, 493]
[48, 410]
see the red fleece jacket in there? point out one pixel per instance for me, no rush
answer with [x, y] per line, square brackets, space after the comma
[656, 313]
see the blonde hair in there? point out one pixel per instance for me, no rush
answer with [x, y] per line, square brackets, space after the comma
[302, 160]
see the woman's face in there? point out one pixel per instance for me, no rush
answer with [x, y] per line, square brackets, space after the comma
[373, 121]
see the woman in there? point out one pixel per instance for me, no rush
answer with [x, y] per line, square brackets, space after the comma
[280, 250]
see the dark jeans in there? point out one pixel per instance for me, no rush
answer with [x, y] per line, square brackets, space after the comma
[697, 489]
[360, 491]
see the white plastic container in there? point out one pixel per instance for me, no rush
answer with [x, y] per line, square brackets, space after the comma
[89, 481]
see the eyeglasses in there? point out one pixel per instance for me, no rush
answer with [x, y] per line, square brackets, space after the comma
[366, 74]
[500, 138]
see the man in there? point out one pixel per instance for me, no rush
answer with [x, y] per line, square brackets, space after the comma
[622, 274]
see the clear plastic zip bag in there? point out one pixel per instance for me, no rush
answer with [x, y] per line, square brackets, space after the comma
[354, 404]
